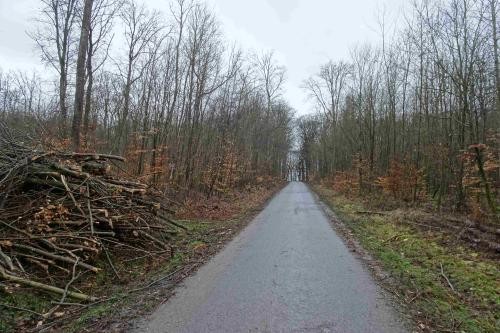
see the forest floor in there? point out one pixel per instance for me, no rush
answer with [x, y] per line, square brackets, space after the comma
[447, 284]
[145, 282]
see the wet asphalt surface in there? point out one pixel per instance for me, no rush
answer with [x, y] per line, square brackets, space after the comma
[288, 271]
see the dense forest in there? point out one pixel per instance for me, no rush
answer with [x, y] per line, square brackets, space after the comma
[167, 91]
[417, 116]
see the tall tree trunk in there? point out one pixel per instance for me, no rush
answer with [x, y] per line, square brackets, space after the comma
[495, 52]
[497, 66]
[88, 92]
[80, 75]
[63, 84]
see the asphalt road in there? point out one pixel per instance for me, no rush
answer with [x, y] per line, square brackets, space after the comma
[288, 271]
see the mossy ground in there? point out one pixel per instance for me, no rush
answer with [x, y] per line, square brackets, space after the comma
[21, 299]
[420, 262]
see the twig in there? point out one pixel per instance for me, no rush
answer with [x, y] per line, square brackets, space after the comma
[21, 309]
[390, 239]
[370, 212]
[15, 229]
[149, 285]
[159, 254]
[63, 179]
[111, 262]
[129, 246]
[91, 220]
[422, 225]
[67, 303]
[446, 278]
[66, 290]
[7, 260]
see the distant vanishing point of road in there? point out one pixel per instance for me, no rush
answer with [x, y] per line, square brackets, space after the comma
[288, 271]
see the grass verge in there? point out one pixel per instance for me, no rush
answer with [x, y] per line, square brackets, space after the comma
[447, 287]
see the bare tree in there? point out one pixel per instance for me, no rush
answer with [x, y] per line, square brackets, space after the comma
[54, 37]
[80, 74]
[140, 29]
[270, 75]
[100, 38]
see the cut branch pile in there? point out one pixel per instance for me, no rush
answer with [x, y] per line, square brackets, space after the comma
[61, 212]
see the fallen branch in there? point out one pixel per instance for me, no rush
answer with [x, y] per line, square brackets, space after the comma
[176, 224]
[91, 156]
[46, 287]
[91, 220]
[390, 239]
[58, 257]
[21, 309]
[367, 212]
[446, 278]
[7, 260]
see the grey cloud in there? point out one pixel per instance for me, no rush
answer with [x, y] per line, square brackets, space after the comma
[284, 8]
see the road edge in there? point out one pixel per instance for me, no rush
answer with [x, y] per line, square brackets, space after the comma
[175, 282]
[372, 265]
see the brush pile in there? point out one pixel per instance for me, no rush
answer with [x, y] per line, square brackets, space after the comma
[62, 214]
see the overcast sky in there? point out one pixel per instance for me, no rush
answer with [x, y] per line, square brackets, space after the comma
[303, 33]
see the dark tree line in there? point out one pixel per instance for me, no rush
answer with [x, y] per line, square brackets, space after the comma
[166, 90]
[425, 102]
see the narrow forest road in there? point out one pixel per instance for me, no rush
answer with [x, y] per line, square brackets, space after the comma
[287, 271]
